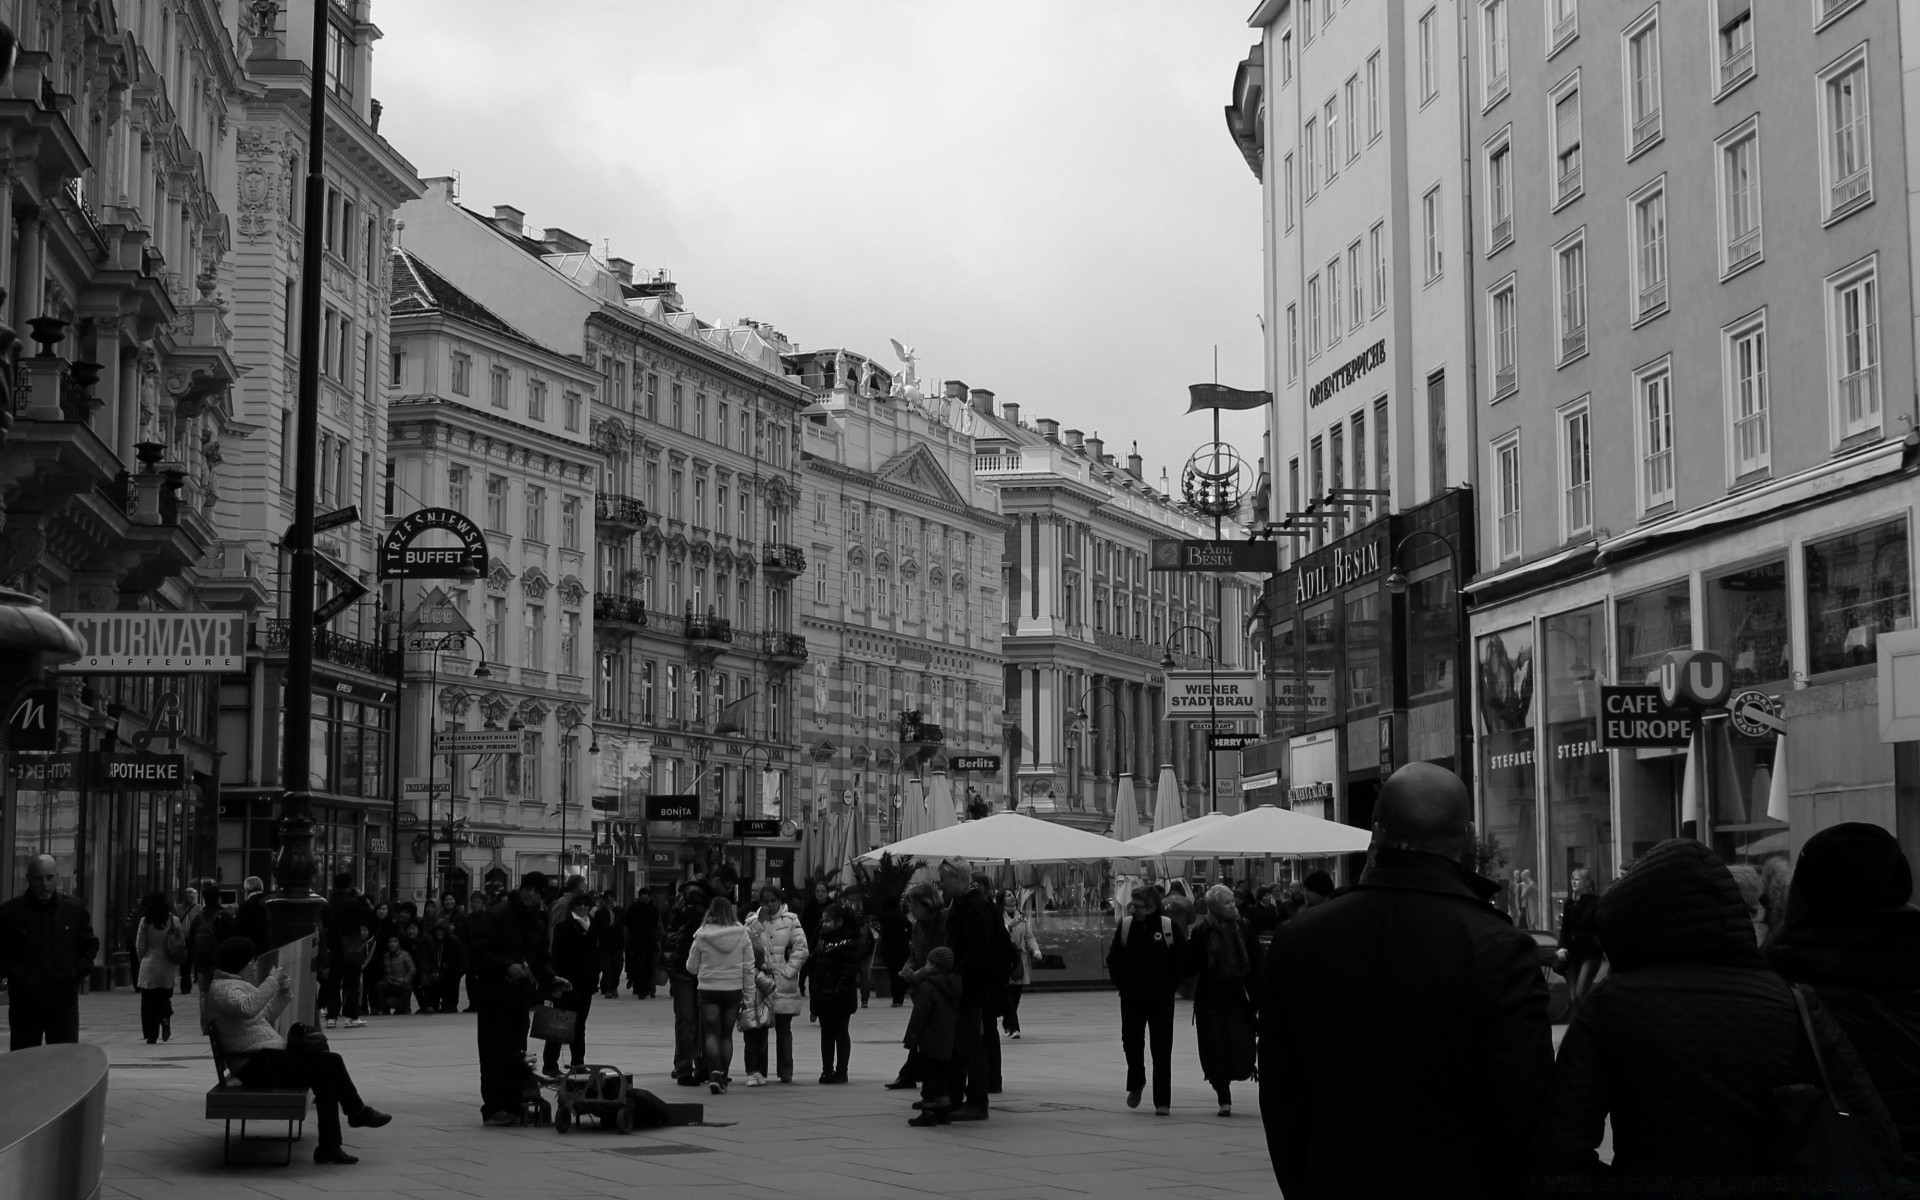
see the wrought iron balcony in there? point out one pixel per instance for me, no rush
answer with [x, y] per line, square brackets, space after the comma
[789, 647]
[782, 559]
[621, 512]
[614, 609]
[336, 648]
[709, 629]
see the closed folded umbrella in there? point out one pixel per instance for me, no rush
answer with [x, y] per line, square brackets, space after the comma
[1168, 809]
[1126, 827]
[940, 812]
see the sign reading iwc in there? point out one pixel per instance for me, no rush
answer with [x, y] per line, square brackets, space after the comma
[398, 559]
[1195, 694]
[159, 642]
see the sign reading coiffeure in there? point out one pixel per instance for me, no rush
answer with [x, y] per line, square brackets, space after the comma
[1196, 694]
[1373, 356]
[159, 642]
[1335, 571]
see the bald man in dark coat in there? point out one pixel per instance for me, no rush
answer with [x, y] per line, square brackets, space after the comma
[1404, 1044]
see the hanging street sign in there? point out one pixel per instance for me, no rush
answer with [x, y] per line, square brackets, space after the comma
[757, 827]
[479, 741]
[138, 772]
[437, 613]
[974, 762]
[159, 643]
[1227, 557]
[399, 560]
[1199, 695]
[1231, 741]
[1637, 717]
[335, 518]
[1755, 715]
[673, 808]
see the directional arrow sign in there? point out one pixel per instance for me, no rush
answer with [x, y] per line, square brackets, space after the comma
[336, 518]
[479, 741]
[347, 589]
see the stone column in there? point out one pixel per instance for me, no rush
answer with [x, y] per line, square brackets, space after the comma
[28, 291]
[105, 350]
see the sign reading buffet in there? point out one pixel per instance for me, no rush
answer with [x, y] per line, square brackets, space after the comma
[160, 642]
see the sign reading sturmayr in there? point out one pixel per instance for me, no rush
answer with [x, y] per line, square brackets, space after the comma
[159, 642]
[1195, 694]
[1174, 554]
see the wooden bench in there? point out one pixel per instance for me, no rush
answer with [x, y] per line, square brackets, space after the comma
[230, 1100]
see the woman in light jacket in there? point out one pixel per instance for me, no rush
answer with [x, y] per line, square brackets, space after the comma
[1026, 948]
[721, 962]
[159, 974]
[782, 944]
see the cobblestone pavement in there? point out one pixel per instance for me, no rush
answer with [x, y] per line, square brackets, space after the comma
[1060, 1129]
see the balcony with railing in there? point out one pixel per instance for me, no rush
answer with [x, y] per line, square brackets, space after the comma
[619, 512]
[784, 647]
[613, 609]
[1750, 442]
[1502, 231]
[781, 559]
[1569, 184]
[335, 648]
[1856, 188]
[1646, 131]
[1505, 379]
[1573, 342]
[709, 629]
[1860, 397]
[1743, 247]
[1653, 298]
[1736, 64]
[1565, 28]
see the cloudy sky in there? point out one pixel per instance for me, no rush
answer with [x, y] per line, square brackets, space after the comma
[1040, 196]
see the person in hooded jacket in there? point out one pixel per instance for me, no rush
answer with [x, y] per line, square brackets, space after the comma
[837, 964]
[721, 962]
[683, 922]
[641, 926]
[512, 966]
[1852, 934]
[1684, 1043]
[576, 959]
[784, 948]
[1222, 951]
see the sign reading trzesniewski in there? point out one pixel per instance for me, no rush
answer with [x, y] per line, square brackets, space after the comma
[1192, 694]
[159, 642]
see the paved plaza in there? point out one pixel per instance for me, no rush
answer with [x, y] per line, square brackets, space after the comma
[1061, 1127]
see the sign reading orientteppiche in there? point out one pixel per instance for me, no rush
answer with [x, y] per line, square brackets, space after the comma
[1176, 554]
[1198, 694]
[159, 642]
[1634, 717]
[136, 772]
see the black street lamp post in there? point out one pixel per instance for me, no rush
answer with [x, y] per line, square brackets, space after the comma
[566, 786]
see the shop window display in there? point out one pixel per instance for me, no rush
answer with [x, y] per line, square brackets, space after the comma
[1509, 845]
[1362, 658]
[1573, 654]
[1649, 624]
[1433, 615]
[1857, 588]
[1747, 622]
[1320, 637]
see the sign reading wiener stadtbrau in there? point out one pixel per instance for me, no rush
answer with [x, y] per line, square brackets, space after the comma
[159, 642]
[1197, 694]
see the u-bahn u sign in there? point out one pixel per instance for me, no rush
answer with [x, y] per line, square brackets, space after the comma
[401, 559]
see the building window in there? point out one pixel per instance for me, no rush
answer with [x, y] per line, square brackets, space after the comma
[1854, 341]
[1500, 191]
[1382, 454]
[497, 387]
[1653, 387]
[1429, 85]
[700, 416]
[676, 499]
[397, 368]
[497, 503]
[462, 374]
[1360, 449]
[1506, 496]
[1335, 328]
[495, 629]
[1570, 279]
[571, 406]
[457, 488]
[676, 405]
[1735, 62]
[570, 643]
[1377, 249]
[1567, 174]
[1286, 58]
[1739, 179]
[1313, 318]
[1643, 83]
[1373, 96]
[1650, 251]
[1293, 342]
[536, 400]
[1847, 158]
[1430, 221]
[570, 522]
[1436, 435]
[1576, 472]
[1503, 333]
[1287, 192]
[1493, 49]
[1746, 376]
[1316, 486]
[1353, 117]
[1356, 287]
[1306, 22]
[1563, 24]
[536, 513]
[1858, 587]
[534, 637]
[1310, 164]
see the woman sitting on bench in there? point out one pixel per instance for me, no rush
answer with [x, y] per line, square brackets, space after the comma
[242, 1017]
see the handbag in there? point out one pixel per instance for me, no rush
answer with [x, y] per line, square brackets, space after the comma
[175, 946]
[1813, 1136]
[552, 1024]
[304, 1039]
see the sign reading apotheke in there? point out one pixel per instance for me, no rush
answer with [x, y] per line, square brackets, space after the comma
[1335, 569]
[138, 772]
[1198, 694]
[159, 642]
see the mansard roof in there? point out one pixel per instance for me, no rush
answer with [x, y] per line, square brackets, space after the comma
[418, 288]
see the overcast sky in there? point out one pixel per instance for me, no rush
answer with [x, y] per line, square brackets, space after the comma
[1040, 196]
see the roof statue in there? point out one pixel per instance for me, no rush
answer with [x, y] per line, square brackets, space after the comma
[907, 385]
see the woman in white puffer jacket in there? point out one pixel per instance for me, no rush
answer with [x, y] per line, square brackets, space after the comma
[783, 947]
[721, 960]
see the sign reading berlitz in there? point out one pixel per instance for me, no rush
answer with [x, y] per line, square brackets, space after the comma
[1192, 694]
[159, 642]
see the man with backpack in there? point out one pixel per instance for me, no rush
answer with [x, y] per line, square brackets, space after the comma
[1145, 965]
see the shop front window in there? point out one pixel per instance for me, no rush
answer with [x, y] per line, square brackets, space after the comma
[1320, 638]
[1747, 622]
[1858, 587]
[1289, 701]
[1509, 843]
[1573, 655]
[1647, 625]
[1432, 635]
[1362, 656]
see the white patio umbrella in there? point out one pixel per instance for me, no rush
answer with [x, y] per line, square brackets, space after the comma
[1152, 845]
[940, 803]
[1007, 837]
[1269, 832]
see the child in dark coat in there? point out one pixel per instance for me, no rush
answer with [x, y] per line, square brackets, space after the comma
[930, 1033]
[836, 960]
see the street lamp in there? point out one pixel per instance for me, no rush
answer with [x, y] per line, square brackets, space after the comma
[1213, 712]
[566, 784]
[1463, 713]
[1122, 765]
[479, 672]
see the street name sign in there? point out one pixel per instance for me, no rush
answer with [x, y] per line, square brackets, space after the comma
[673, 808]
[1226, 557]
[159, 643]
[1231, 741]
[1199, 695]
[479, 741]
[416, 787]
[974, 762]
[1637, 717]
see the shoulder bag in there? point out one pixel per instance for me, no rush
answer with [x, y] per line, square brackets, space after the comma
[175, 946]
[1813, 1135]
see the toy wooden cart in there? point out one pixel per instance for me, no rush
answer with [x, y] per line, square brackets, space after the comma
[593, 1091]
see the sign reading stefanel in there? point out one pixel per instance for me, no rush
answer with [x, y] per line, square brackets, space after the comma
[159, 642]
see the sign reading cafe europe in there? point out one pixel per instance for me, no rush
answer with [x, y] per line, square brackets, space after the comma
[161, 642]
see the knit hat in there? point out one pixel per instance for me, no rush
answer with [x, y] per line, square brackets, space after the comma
[1850, 868]
[1318, 882]
[940, 958]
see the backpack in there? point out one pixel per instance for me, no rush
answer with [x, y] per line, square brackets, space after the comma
[1166, 927]
[175, 947]
[203, 942]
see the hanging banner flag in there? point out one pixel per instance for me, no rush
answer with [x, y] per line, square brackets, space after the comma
[770, 793]
[1219, 395]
